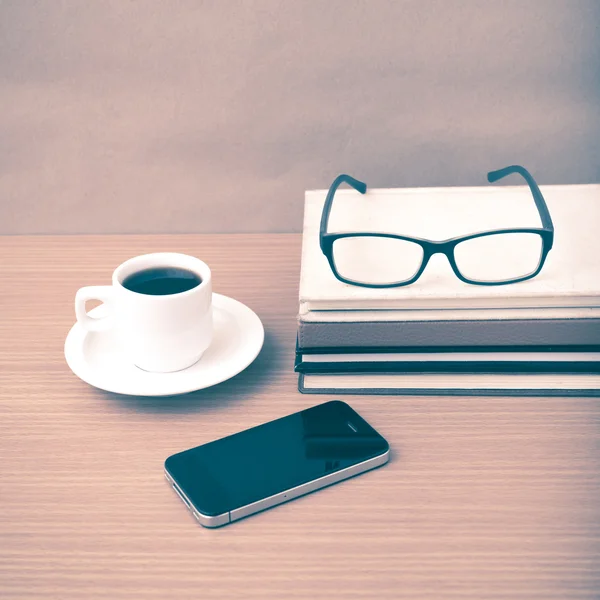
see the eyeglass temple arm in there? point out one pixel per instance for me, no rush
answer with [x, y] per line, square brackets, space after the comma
[533, 186]
[359, 186]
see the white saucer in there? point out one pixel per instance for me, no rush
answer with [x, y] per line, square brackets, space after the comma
[97, 358]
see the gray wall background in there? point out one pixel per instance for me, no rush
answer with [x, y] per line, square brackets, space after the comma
[174, 116]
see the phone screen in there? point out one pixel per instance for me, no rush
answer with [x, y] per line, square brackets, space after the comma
[251, 465]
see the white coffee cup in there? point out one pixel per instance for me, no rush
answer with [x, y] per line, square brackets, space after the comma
[159, 333]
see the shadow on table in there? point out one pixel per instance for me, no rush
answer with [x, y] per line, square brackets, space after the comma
[253, 380]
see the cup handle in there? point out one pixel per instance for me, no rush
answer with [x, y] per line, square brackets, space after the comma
[104, 293]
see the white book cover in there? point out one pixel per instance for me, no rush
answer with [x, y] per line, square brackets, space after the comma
[570, 278]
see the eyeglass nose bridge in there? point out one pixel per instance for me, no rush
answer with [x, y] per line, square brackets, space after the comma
[445, 247]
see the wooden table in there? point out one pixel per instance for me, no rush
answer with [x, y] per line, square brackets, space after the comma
[483, 497]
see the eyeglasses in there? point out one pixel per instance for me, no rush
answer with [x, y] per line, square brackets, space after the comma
[384, 260]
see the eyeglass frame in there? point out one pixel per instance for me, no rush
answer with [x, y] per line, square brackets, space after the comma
[446, 247]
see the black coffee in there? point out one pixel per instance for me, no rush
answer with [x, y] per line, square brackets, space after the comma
[162, 281]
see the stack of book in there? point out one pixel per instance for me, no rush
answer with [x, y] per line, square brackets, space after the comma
[441, 335]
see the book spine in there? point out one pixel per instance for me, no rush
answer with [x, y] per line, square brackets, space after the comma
[450, 334]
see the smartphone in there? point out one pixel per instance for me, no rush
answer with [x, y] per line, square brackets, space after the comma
[239, 475]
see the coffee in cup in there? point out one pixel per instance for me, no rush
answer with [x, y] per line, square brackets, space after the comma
[162, 281]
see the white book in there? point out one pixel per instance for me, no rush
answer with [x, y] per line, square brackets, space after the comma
[459, 314]
[570, 279]
[453, 384]
[433, 357]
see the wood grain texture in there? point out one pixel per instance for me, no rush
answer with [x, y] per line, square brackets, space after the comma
[483, 497]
